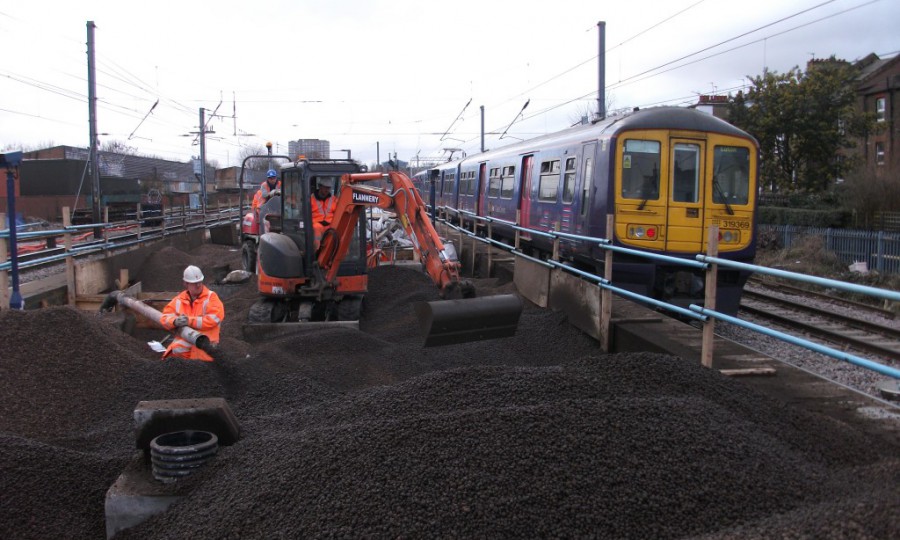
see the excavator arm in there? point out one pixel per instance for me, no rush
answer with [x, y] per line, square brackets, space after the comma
[404, 201]
[460, 317]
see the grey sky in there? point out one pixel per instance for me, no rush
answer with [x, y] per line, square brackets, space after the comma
[397, 72]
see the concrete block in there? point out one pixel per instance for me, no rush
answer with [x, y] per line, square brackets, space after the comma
[226, 235]
[136, 496]
[153, 418]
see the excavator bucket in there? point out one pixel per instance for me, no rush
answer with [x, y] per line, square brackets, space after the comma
[446, 322]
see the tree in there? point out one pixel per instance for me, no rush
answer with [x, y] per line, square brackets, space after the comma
[803, 121]
[254, 150]
[118, 147]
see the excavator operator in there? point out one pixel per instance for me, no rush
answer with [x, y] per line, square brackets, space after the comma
[196, 307]
[323, 204]
[267, 189]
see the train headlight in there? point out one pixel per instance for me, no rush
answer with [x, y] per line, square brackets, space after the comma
[729, 236]
[642, 232]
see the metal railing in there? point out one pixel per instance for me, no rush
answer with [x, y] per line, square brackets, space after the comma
[115, 236]
[709, 262]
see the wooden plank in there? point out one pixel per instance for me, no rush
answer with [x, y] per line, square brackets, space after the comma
[747, 371]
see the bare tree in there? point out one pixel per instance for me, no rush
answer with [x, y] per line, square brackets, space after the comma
[254, 150]
[118, 147]
[586, 111]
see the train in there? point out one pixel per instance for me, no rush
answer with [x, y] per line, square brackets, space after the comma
[665, 173]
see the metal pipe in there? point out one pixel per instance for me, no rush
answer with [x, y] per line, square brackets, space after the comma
[188, 334]
[11, 160]
[841, 285]
[840, 355]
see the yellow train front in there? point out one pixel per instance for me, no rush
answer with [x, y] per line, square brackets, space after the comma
[670, 185]
[666, 174]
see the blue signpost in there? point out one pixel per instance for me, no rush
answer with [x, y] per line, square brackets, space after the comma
[11, 161]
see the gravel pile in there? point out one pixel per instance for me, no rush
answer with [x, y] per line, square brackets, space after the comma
[366, 434]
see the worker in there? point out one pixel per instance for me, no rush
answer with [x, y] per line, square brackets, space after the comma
[323, 204]
[268, 189]
[196, 307]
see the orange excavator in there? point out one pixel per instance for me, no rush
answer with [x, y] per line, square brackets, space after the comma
[309, 273]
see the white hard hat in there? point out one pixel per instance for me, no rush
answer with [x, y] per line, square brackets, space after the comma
[192, 274]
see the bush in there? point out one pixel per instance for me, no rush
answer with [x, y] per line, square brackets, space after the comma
[801, 217]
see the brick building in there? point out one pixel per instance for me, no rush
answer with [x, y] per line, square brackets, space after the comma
[879, 93]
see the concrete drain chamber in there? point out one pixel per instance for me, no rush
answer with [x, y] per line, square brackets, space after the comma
[175, 438]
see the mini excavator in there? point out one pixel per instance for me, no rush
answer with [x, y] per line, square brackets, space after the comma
[305, 274]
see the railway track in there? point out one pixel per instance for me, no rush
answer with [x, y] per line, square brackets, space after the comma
[789, 289]
[841, 330]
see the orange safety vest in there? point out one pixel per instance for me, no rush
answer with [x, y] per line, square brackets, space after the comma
[259, 198]
[321, 211]
[205, 313]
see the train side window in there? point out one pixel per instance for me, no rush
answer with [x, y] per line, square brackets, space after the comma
[472, 183]
[494, 183]
[686, 173]
[449, 181]
[507, 182]
[731, 175]
[640, 170]
[569, 181]
[549, 182]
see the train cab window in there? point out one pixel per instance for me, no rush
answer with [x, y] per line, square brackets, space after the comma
[686, 173]
[731, 175]
[549, 182]
[569, 181]
[640, 170]
[507, 182]
[494, 183]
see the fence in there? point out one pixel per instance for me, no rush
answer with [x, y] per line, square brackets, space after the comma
[706, 314]
[878, 249]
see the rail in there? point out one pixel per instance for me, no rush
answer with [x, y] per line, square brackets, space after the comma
[709, 262]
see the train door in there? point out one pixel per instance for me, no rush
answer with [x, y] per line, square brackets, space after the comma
[567, 216]
[525, 195]
[479, 189]
[684, 217]
[584, 188]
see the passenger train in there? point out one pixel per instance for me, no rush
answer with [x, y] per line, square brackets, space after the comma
[665, 173]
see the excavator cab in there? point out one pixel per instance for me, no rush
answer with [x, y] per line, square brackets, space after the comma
[290, 279]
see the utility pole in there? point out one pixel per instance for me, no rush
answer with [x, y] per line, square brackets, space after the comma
[203, 160]
[601, 69]
[482, 128]
[92, 124]
[378, 155]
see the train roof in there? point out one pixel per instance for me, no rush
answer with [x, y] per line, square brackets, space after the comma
[679, 118]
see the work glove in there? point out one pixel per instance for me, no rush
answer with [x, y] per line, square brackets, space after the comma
[180, 321]
[275, 193]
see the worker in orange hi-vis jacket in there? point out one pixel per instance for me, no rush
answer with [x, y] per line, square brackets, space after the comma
[323, 204]
[198, 308]
[268, 189]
